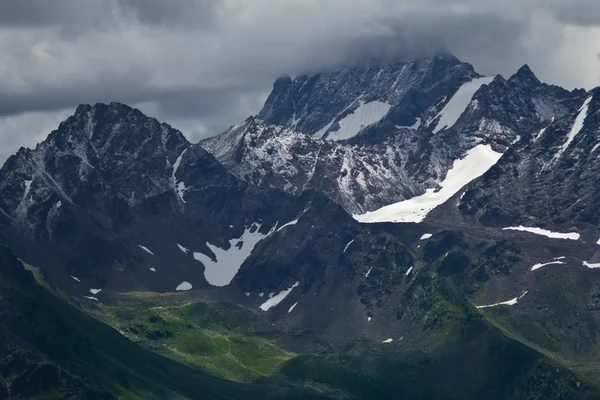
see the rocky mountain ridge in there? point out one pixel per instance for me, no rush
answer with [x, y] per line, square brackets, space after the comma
[388, 160]
[260, 216]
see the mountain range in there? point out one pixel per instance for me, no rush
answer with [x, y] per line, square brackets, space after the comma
[384, 230]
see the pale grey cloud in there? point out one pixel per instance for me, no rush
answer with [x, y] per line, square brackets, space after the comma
[203, 65]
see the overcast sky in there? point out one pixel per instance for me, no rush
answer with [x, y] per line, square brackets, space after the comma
[202, 65]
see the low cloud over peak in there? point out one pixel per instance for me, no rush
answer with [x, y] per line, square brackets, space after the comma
[202, 65]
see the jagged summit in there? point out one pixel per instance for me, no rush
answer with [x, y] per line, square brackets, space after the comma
[340, 104]
[399, 128]
[525, 76]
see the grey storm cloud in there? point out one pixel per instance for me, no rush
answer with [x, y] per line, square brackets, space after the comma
[202, 65]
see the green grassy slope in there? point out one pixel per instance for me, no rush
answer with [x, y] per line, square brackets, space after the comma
[66, 352]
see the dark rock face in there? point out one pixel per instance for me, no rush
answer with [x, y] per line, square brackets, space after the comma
[117, 201]
[550, 178]
[112, 199]
[294, 143]
[310, 103]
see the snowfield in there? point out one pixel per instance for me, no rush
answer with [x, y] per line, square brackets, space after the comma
[227, 263]
[459, 103]
[591, 265]
[538, 266]
[545, 232]
[477, 162]
[365, 115]
[511, 302]
[184, 287]
[577, 126]
[273, 301]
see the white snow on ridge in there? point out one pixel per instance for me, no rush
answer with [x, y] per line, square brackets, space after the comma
[545, 232]
[459, 103]
[539, 134]
[228, 262]
[591, 265]
[577, 126]
[538, 266]
[511, 302]
[27, 187]
[273, 301]
[426, 236]
[366, 114]
[145, 249]
[184, 287]
[348, 245]
[477, 162]
[294, 222]
[292, 307]
[179, 187]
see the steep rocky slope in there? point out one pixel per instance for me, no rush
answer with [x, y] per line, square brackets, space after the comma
[550, 179]
[439, 109]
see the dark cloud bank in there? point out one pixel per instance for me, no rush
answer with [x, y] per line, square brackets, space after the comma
[202, 65]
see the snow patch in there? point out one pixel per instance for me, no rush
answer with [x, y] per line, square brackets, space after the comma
[538, 266]
[184, 249]
[95, 291]
[390, 340]
[153, 269]
[477, 162]
[368, 272]
[75, 278]
[426, 236]
[539, 134]
[27, 187]
[227, 263]
[366, 114]
[459, 103]
[591, 265]
[409, 271]
[324, 130]
[261, 295]
[58, 204]
[545, 232]
[577, 126]
[294, 222]
[273, 301]
[184, 286]
[511, 302]
[145, 249]
[292, 307]
[91, 298]
[179, 187]
[348, 245]
[598, 242]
